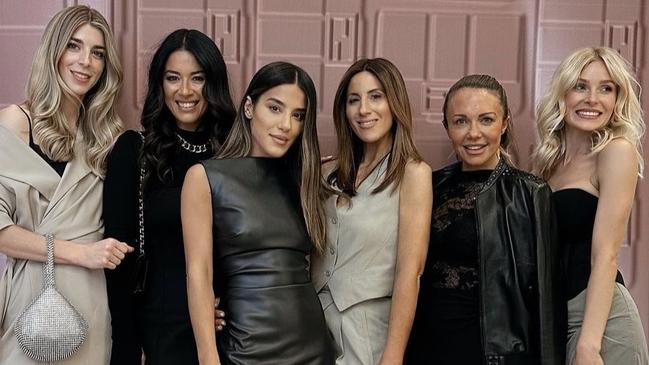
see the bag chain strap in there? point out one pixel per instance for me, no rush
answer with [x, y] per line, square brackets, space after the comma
[48, 268]
[140, 201]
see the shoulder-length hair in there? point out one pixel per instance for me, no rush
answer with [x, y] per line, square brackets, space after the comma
[489, 83]
[159, 124]
[98, 121]
[303, 158]
[626, 121]
[350, 147]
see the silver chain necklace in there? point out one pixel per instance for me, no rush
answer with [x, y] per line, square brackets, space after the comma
[193, 148]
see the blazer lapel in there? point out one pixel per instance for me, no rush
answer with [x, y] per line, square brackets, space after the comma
[76, 170]
[20, 163]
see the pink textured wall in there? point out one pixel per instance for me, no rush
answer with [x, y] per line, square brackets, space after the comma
[433, 42]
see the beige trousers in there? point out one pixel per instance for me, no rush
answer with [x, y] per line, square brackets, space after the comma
[624, 341]
[360, 331]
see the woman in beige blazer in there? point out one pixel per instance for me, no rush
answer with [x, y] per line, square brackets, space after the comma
[52, 152]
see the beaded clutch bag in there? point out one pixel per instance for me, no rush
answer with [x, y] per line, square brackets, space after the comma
[50, 328]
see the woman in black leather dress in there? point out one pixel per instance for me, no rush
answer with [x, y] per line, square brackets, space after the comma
[250, 218]
[186, 116]
[489, 292]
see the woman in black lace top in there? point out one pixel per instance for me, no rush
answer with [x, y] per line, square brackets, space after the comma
[489, 292]
[187, 114]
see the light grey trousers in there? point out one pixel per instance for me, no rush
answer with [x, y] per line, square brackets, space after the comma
[624, 341]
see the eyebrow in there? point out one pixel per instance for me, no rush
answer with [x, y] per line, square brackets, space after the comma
[480, 115]
[178, 73]
[80, 41]
[276, 100]
[282, 104]
[370, 91]
[601, 82]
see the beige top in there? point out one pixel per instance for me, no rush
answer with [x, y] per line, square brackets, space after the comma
[33, 196]
[360, 258]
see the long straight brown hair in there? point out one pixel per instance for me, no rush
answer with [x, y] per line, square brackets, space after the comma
[350, 147]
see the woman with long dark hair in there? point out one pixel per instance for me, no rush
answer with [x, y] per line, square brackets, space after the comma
[186, 116]
[377, 228]
[250, 218]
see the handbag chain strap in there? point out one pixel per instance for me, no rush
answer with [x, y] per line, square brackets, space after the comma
[48, 268]
[140, 202]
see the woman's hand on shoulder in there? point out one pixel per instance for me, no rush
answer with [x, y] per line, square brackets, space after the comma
[15, 120]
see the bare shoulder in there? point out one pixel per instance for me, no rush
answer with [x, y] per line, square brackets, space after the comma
[417, 171]
[196, 174]
[618, 155]
[618, 148]
[15, 120]
[617, 162]
[417, 179]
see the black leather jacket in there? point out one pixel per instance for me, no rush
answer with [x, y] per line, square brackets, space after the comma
[523, 314]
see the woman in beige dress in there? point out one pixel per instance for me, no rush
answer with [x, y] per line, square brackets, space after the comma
[367, 278]
[52, 154]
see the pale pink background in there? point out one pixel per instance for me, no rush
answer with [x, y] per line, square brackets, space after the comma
[434, 43]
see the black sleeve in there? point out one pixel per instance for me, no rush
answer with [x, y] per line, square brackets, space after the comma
[552, 306]
[120, 214]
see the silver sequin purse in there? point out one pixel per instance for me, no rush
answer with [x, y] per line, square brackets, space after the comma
[50, 328]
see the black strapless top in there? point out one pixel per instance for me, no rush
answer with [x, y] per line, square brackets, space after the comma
[576, 209]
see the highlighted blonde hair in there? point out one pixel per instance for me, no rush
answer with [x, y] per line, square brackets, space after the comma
[98, 121]
[626, 121]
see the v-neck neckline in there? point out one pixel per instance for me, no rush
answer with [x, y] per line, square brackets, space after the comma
[379, 163]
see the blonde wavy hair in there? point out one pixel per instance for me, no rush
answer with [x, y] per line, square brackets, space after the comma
[626, 121]
[98, 120]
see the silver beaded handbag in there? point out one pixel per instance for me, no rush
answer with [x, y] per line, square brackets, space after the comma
[50, 328]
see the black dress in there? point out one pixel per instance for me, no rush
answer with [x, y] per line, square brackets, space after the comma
[446, 329]
[158, 321]
[260, 249]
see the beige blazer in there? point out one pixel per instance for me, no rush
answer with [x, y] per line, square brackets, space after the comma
[33, 196]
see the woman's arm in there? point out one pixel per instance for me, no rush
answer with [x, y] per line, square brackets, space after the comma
[415, 205]
[617, 170]
[21, 243]
[120, 214]
[196, 213]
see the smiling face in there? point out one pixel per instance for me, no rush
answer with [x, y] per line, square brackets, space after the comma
[590, 103]
[83, 60]
[367, 109]
[276, 120]
[183, 83]
[475, 126]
